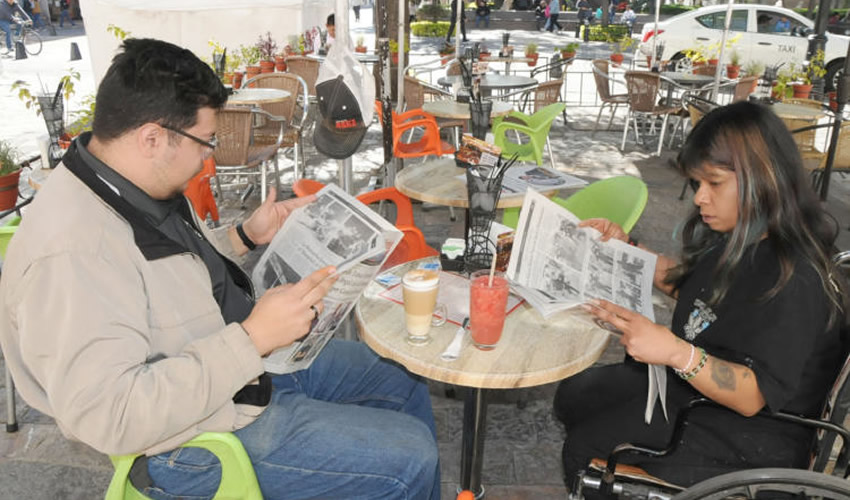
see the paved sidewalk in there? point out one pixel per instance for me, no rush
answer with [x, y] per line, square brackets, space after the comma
[522, 448]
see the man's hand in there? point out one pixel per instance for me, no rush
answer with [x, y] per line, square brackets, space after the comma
[263, 224]
[644, 340]
[607, 228]
[283, 314]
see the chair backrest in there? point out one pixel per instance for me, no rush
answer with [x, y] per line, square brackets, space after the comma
[414, 93]
[234, 136]
[805, 139]
[283, 81]
[842, 152]
[744, 88]
[600, 74]
[453, 68]
[547, 93]
[619, 199]
[642, 87]
[305, 67]
[697, 107]
[6, 233]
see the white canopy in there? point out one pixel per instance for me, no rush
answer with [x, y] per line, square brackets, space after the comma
[193, 23]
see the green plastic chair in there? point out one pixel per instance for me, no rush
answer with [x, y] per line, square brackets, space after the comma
[536, 127]
[238, 481]
[6, 233]
[619, 199]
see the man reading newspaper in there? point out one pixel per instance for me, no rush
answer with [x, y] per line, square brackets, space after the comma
[122, 318]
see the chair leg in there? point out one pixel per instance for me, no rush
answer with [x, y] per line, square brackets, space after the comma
[598, 116]
[276, 174]
[218, 187]
[611, 118]
[551, 155]
[264, 188]
[661, 134]
[452, 215]
[11, 418]
[626, 130]
[684, 189]
[296, 176]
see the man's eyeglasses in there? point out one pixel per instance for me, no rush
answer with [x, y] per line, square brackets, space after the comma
[212, 143]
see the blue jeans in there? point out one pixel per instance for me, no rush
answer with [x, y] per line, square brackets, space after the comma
[65, 14]
[485, 18]
[6, 26]
[353, 425]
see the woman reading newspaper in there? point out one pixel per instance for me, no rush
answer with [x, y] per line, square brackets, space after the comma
[757, 325]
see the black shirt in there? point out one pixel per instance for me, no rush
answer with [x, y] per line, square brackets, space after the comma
[784, 339]
[235, 303]
[7, 10]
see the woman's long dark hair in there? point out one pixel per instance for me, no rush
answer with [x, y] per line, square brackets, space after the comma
[774, 197]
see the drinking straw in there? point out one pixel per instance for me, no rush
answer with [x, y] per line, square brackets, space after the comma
[56, 95]
[492, 271]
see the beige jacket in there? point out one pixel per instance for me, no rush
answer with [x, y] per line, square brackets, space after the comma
[128, 355]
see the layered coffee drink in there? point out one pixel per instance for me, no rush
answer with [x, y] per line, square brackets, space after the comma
[419, 288]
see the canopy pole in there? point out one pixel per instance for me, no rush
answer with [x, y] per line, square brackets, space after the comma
[654, 35]
[715, 89]
[401, 59]
[457, 12]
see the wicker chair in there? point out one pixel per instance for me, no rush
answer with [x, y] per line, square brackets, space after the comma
[235, 156]
[841, 163]
[643, 87]
[291, 112]
[804, 131]
[705, 69]
[744, 87]
[415, 93]
[306, 68]
[603, 90]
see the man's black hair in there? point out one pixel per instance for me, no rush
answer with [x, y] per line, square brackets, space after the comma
[152, 81]
[331, 20]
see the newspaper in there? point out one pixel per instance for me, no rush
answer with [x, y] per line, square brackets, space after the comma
[556, 265]
[520, 179]
[335, 230]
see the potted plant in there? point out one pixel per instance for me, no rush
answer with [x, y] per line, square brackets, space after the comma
[251, 57]
[754, 68]
[361, 46]
[569, 50]
[267, 48]
[814, 70]
[782, 86]
[617, 48]
[446, 53]
[483, 53]
[734, 66]
[531, 53]
[10, 173]
[394, 51]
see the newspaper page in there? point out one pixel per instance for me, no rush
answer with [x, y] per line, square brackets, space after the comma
[335, 230]
[559, 265]
[521, 179]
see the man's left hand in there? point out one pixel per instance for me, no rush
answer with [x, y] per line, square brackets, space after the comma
[264, 223]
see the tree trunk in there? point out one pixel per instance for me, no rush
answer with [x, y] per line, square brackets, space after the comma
[390, 30]
[606, 4]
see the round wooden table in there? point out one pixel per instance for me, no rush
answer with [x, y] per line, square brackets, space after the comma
[460, 110]
[532, 351]
[796, 111]
[493, 82]
[255, 97]
[687, 79]
[440, 181]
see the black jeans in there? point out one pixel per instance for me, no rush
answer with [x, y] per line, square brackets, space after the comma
[454, 22]
[604, 406]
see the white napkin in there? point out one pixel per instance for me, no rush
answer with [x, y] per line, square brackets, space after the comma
[657, 389]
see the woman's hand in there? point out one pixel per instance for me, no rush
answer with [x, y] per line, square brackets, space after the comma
[644, 340]
[264, 223]
[284, 313]
[607, 228]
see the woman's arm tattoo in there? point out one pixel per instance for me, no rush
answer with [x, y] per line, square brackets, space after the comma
[723, 374]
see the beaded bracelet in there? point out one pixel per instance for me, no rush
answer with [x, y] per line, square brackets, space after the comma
[690, 358]
[703, 357]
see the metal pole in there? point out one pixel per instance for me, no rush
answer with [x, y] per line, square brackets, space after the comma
[655, 34]
[472, 445]
[344, 173]
[716, 88]
[401, 59]
[459, 34]
[817, 41]
[842, 96]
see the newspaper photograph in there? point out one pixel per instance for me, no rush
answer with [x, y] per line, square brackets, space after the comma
[558, 265]
[335, 230]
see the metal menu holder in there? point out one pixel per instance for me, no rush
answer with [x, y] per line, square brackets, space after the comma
[483, 186]
[52, 109]
[479, 113]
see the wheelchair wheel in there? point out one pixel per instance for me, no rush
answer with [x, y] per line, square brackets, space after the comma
[769, 484]
[32, 42]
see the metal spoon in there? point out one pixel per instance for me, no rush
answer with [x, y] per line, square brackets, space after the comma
[453, 350]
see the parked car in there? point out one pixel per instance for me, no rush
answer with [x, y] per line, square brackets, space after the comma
[768, 35]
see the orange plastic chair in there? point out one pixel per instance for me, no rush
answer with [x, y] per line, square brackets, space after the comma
[429, 144]
[200, 194]
[412, 246]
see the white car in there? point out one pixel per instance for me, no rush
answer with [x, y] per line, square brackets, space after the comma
[768, 35]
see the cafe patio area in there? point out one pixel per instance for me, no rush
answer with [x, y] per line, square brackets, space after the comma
[523, 438]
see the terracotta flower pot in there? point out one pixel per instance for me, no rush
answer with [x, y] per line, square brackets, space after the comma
[533, 57]
[394, 57]
[237, 79]
[9, 190]
[567, 55]
[833, 101]
[617, 58]
[266, 66]
[802, 91]
[484, 56]
[280, 63]
[361, 49]
[251, 72]
[227, 78]
[732, 71]
[445, 59]
[65, 141]
[713, 62]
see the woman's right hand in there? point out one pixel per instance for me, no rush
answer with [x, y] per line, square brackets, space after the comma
[607, 228]
[284, 313]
